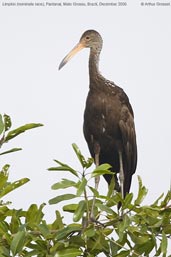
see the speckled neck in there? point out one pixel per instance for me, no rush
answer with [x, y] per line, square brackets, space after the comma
[94, 73]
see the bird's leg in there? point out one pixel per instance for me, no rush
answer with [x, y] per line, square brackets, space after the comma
[97, 179]
[121, 178]
[121, 174]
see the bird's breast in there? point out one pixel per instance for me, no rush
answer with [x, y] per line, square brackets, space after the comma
[101, 115]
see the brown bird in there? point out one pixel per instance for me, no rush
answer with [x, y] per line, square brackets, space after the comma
[108, 118]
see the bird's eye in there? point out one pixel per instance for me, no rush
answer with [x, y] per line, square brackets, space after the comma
[87, 37]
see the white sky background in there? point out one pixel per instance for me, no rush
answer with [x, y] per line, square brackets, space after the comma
[136, 55]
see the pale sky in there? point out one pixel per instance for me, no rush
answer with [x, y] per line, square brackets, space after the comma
[136, 55]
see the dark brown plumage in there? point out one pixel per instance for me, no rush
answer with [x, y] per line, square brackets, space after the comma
[108, 118]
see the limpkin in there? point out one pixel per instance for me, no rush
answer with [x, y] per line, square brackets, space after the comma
[108, 118]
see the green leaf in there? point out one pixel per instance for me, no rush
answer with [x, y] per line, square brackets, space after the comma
[4, 252]
[164, 244]
[32, 253]
[114, 247]
[3, 177]
[31, 213]
[90, 161]
[100, 243]
[105, 208]
[111, 187]
[61, 198]
[63, 167]
[4, 227]
[107, 231]
[69, 252]
[17, 243]
[65, 183]
[145, 248]
[2, 125]
[142, 192]
[12, 186]
[166, 229]
[79, 155]
[166, 199]
[43, 228]
[5, 169]
[122, 226]
[79, 211]
[15, 222]
[156, 201]
[127, 201]
[95, 192]
[11, 151]
[137, 237]
[89, 231]
[64, 232]
[3, 211]
[70, 207]
[101, 170]
[13, 133]
[7, 121]
[82, 186]
[34, 214]
[58, 223]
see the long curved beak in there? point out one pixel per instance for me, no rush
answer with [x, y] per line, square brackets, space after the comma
[75, 50]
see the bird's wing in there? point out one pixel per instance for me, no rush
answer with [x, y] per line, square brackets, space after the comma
[124, 99]
[129, 150]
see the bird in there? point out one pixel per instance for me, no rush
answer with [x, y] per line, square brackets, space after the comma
[108, 128]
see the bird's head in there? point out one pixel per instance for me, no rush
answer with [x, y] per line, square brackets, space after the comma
[90, 39]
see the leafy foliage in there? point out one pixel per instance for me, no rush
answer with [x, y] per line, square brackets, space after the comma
[135, 230]
[6, 135]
